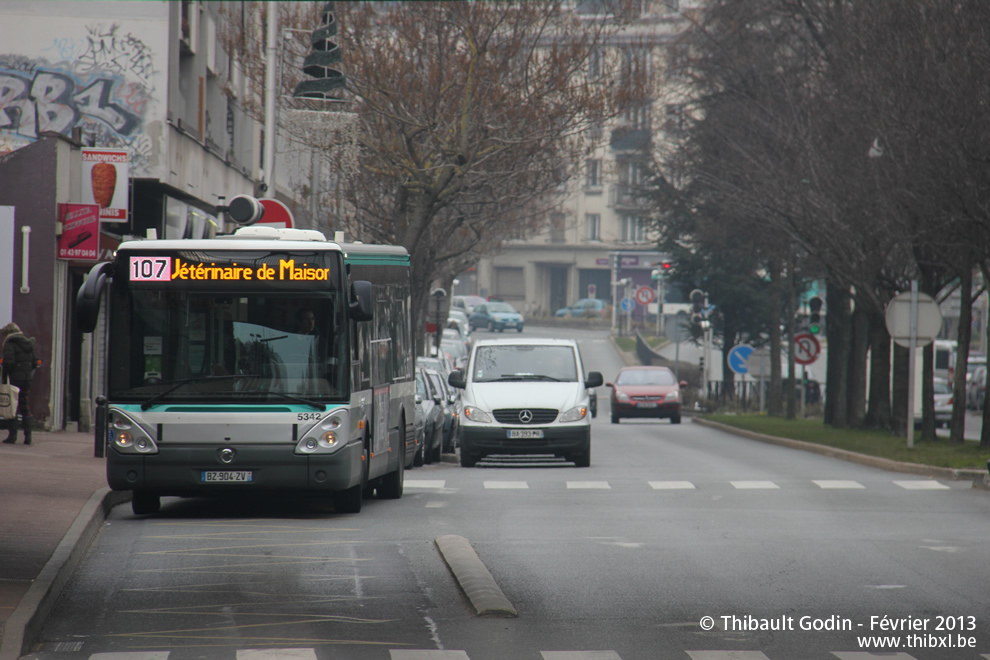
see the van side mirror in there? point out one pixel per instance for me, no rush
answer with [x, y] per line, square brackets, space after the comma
[594, 379]
[456, 379]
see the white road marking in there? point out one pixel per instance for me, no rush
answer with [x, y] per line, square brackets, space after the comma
[754, 485]
[425, 483]
[671, 485]
[921, 485]
[838, 484]
[588, 484]
[496, 485]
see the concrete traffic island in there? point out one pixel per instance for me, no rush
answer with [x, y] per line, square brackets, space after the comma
[474, 578]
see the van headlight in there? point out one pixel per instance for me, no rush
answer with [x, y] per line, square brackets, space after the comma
[128, 437]
[574, 414]
[326, 435]
[477, 415]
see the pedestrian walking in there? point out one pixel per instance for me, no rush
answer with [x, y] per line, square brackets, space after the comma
[19, 364]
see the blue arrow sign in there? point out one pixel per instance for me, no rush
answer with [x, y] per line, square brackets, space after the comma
[627, 304]
[738, 356]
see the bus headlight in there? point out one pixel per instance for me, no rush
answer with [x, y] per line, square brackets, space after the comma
[325, 436]
[127, 437]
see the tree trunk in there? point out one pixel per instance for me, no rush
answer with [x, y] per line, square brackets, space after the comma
[878, 413]
[856, 375]
[898, 413]
[928, 394]
[775, 403]
[790, 395]
[958, 424]
[838, 332]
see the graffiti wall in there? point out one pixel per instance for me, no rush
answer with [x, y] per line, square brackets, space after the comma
[107, 77]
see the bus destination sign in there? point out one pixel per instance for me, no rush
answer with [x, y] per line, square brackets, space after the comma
[146, 268]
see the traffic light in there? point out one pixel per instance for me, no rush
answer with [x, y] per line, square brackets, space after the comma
[661, 271]
[815, 319]
[697, 305]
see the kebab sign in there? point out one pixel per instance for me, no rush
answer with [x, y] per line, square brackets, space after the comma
[105, 178]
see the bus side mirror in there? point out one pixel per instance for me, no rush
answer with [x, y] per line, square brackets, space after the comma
[90, 294]
[361, 305]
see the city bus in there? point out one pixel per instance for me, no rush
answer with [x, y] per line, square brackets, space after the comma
[268, 360]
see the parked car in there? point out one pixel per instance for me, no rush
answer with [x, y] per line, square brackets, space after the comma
[525, 397]
[975, 387]
[457, 351]
[440, 364]
[466, 303]
[943, 402]
[429, 398]
[646, 392]
[450, 403]
[584, 308]
[460, 315]
[496, 316]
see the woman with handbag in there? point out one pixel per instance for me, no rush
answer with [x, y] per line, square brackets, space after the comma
[19, 363]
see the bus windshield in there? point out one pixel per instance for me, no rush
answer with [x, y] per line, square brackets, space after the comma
[245, 346]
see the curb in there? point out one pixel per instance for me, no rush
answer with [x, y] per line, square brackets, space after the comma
[25, 623]
[474, 578]
[953, 474]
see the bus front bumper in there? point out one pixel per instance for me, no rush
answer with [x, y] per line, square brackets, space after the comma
[190, 470]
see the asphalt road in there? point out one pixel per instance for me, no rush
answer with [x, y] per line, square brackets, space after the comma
[620, 561]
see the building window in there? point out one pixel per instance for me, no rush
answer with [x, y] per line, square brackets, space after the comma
[557, 222]
[593, 223]
[593, 174]
[594, 64]
[634, 229]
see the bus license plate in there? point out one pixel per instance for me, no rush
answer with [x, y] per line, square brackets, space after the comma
[226, 477]
[526, 434]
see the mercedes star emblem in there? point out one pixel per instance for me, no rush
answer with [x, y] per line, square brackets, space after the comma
[525, 416]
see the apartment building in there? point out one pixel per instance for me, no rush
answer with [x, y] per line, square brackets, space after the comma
[598, 233]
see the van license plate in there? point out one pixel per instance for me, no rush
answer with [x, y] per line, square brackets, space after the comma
[525, 434]
[226, 477]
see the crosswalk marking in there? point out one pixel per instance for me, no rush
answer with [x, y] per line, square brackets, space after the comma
[863, 655]
[440, 654]
[754, 485]
[276, 654]
[838, 484]
[822, 484]
[727, 655]
[424, 483]
[921, 485]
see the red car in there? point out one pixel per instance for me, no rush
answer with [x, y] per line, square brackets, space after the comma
[646, 392]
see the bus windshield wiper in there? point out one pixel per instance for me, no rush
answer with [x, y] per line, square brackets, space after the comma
[298, 399]
[185, 381]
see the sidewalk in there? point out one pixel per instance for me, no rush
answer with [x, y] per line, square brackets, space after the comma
[53, 496]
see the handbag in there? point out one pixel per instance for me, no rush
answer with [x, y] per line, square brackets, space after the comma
[8, 400]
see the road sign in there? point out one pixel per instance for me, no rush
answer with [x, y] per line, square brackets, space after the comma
[627, 304]
[738, 356]
[644, 295]
[277, 214]
[806, 348]
[898, 318]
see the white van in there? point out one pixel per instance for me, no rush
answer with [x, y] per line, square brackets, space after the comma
[525, 396]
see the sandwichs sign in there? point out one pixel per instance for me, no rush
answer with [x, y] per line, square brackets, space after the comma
[104, 174]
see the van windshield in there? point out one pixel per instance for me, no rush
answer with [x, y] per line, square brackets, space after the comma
[522, 362]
